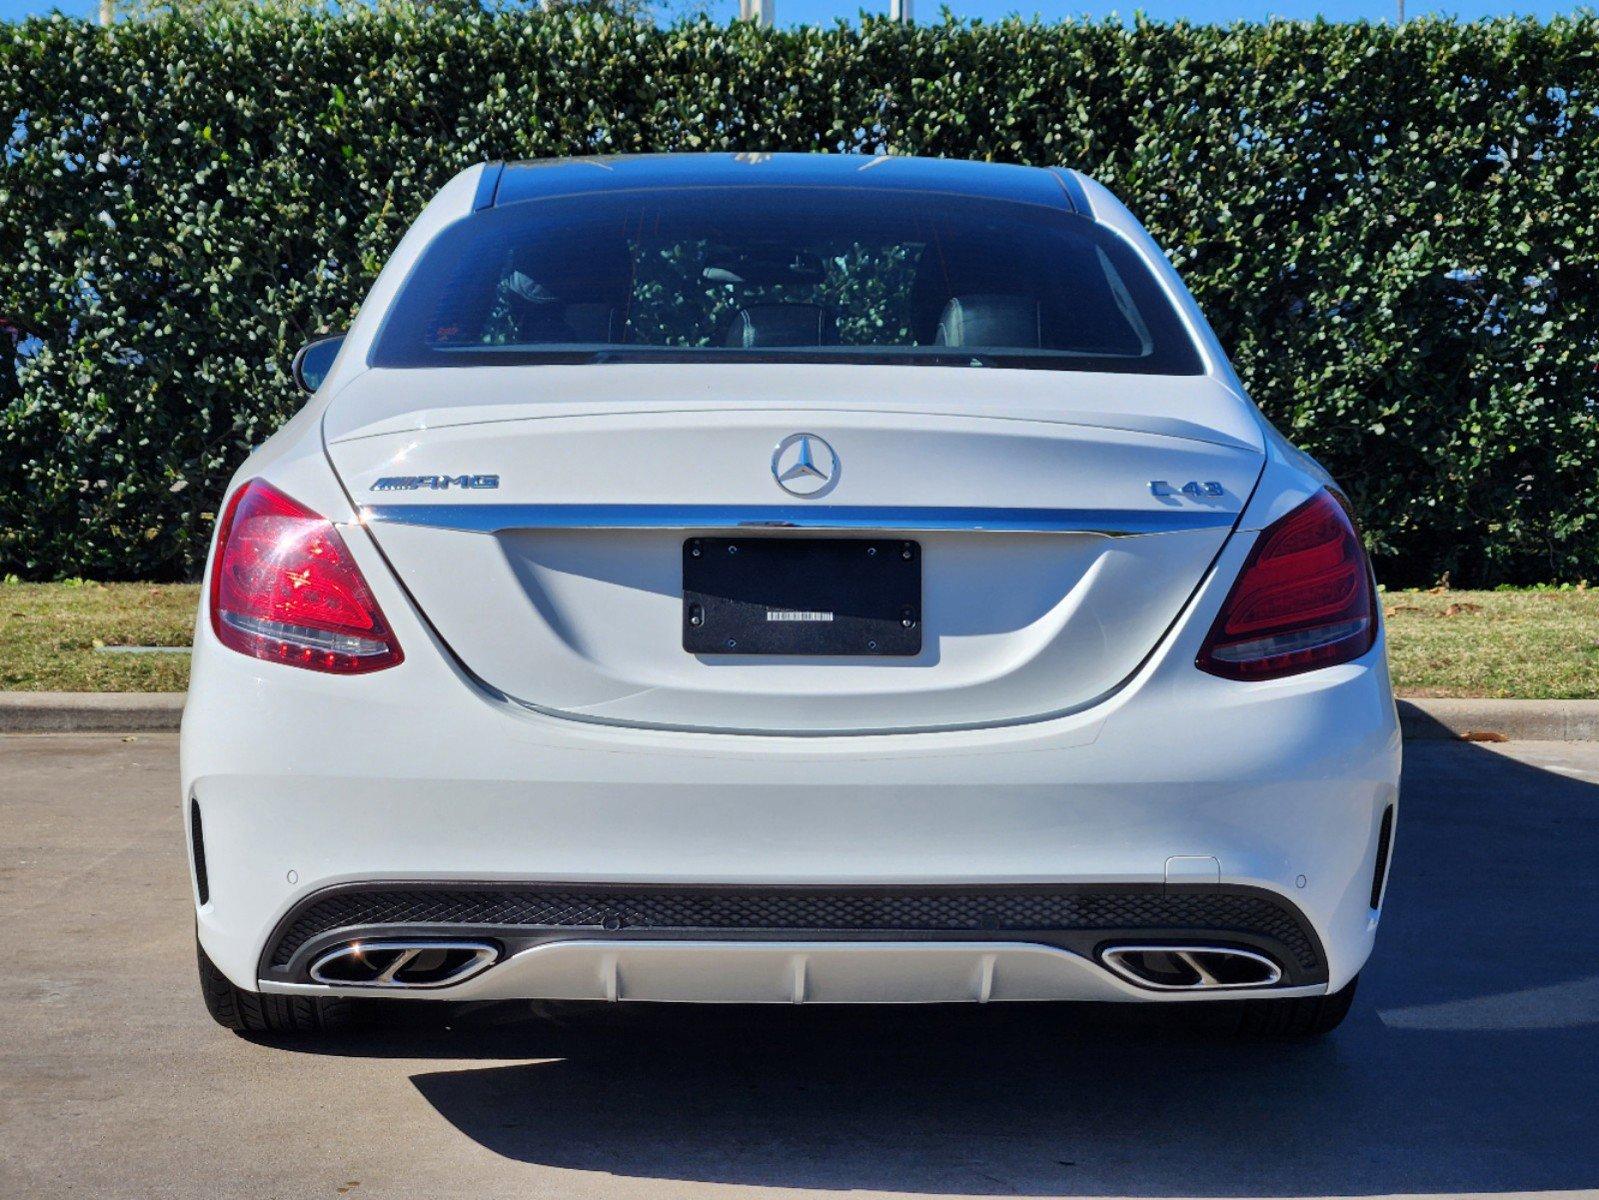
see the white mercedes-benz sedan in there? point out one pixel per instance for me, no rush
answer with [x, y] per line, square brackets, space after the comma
[784, 578]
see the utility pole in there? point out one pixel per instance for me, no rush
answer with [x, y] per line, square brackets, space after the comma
[762, 12]
[904, 11]
[105, 12]
[1401, 11]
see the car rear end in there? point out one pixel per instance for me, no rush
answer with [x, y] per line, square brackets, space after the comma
[969, 638]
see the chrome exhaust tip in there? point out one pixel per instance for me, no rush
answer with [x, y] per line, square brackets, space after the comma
[1192, 968]
[395, 965]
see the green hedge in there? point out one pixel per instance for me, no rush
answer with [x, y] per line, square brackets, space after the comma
[1394, 231]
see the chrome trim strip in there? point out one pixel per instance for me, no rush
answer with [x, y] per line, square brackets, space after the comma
[1098, 522]
[277, 987]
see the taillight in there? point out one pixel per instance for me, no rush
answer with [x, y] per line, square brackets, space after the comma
[1303, 599]
[284, 588]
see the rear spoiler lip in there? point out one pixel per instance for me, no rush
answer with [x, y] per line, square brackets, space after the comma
[456, 410]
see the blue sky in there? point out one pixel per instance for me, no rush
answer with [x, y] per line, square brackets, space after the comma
[789, 11]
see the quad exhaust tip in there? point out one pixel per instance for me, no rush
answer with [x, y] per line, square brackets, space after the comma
[402, 964]
[1192, 968]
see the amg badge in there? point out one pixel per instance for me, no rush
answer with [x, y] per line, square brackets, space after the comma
[437, 483]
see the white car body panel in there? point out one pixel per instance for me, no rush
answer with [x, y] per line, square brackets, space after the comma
[587, 621]
[547, 727]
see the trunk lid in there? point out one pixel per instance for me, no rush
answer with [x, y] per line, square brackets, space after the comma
[1049, 567]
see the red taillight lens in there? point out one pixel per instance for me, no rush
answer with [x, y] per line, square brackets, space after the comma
[1303, 600]
[284, 588]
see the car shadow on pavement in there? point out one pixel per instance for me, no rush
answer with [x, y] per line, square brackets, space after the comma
[1468, 1064]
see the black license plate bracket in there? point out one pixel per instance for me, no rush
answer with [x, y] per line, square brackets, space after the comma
[802, 596]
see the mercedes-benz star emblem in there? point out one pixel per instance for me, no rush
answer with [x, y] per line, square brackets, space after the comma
[805, 465]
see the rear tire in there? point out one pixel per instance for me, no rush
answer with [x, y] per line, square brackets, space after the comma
[257, 1012]
[1297, 1017]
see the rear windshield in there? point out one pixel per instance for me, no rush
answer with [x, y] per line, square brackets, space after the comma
[783, 274]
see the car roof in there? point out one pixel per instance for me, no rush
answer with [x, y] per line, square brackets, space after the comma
[515, 182]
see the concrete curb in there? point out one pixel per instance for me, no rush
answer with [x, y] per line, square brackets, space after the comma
[1473, 720]
[89, 712]
[1501, 720]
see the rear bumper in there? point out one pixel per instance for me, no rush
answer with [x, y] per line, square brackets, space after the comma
[303, 791]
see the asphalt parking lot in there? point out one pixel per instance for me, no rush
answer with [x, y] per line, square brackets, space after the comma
[1470, 1063]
